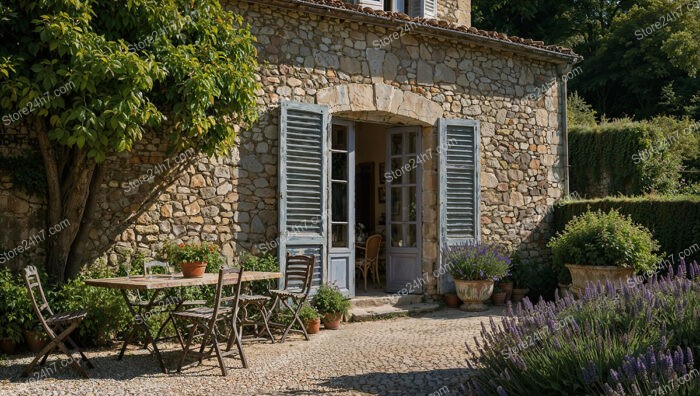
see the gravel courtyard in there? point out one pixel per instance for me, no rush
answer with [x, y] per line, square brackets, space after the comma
[402, 356]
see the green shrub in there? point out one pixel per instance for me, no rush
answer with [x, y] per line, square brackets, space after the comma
[579, 113]
[266, 263]
[16, 311]
[634, 157]
[329, 300]
[107, 313]
[599, 238]
[672, 220]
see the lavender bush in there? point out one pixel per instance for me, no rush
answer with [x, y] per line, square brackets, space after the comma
[477, 262]
[570, 346]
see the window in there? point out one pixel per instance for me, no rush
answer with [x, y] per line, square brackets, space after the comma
[414, 8]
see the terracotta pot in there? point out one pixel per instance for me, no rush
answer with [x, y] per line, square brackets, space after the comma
[313, 326]
[519, 294]
[474, 293]
[452, 300]
[331, 321]
[36, 340]
[583, 274]
[7, 346]
[499, 298]
[508, 288]
[193, 269]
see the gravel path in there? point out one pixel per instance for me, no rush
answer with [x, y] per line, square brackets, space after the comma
[402, 356]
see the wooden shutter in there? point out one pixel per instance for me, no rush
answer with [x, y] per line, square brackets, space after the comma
[459, 188]
[423, 8]
[302, 182]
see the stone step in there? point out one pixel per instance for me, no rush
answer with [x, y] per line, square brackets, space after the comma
[387, 311]
[388, 299]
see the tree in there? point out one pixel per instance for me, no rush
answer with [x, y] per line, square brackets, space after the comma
[90, 78]
[626, 72]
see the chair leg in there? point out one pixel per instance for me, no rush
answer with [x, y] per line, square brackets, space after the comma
[127, 341]
[295, 319]
[218, 352]
[364, 275]
[77, 348]
[263, 312]
[186, 350]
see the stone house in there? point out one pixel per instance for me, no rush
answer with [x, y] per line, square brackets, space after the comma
[420, 128]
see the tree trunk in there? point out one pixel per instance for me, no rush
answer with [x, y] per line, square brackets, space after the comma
[67, 196]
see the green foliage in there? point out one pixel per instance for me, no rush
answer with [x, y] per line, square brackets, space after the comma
[599, 238]
[477, 262]
[636, 157]
[193, 252]
[622, 75]
[579, 113]
[308, 313]
[27, 173]
[15, 307]
[128, 67]
[672, 220]
[266, 263]
[107, 313]
[329, 300]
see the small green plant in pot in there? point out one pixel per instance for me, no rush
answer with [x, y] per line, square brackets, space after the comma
[599, 246]
[474, 268]
[521, 282]
[332, 305]
[311, 319]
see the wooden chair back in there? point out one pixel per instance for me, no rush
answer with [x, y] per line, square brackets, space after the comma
[372, 247]
[41, 306]
[299, 272]
[227, 301]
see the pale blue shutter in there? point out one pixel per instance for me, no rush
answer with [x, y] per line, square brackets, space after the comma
[459, 188]
[423, 8]
[302, 181]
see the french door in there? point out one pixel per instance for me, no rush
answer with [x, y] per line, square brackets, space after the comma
[341, 207]
[403, 187]
[317, 192]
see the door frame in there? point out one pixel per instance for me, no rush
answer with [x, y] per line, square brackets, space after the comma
[336, 256]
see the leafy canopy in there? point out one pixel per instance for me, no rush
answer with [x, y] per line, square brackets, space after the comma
[185, 67]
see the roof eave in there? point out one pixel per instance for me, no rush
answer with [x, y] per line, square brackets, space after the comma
[429, 30]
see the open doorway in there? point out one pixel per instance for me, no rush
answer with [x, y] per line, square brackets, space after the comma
[388, 202]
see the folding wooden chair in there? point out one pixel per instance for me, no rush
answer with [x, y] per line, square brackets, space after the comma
[370, 262]
[297, 284]
[57, 326]
[208, 319]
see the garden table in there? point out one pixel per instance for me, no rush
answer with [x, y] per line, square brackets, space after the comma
[142, 312]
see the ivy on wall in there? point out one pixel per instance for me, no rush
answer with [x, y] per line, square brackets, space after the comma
[634, 157]
[672, 220]
[27, 172]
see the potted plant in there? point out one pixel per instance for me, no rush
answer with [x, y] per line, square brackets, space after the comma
[193, 258]
[499, 296]
[452, 300]
[474, 268]
[599, 246]
[520, 273]
[332, 305]
[311, 319]
[13, 311]
[506, 284]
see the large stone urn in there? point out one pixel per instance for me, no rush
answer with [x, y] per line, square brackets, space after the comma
[583, 274]
[473, 294]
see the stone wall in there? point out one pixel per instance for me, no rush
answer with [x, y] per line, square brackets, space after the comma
[322, 59]
[456, 11]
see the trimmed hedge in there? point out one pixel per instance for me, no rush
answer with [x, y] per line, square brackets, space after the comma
[674, 221]
[634, 157]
